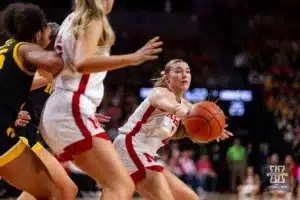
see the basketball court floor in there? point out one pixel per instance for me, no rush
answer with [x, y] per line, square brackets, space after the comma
[209, 197]
[214, 197]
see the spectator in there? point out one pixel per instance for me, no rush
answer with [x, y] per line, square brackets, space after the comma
[115, 112]
[298, 182]
[274, 160]
[174, 145]
[236, 158]
[188, 168]
[173, 160]
[292, 170]
[263, 154]
[206, 174]
[263, 174]
[250, 187]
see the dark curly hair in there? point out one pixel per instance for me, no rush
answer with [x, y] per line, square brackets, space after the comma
[22, 21]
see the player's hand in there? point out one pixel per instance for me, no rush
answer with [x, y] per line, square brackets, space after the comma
[225, 135]
[23, 119]
[148, 52]
[102, 119]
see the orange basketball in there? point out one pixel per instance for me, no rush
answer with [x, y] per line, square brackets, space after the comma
[205, 122]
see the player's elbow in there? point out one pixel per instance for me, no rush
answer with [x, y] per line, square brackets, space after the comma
[56, 65]
[51, 63]
[81, 66]
[81, 69]
[87, 65]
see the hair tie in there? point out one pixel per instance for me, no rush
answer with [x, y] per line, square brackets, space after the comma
[162, 73]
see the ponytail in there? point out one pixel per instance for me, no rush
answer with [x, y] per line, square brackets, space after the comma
[161, 81]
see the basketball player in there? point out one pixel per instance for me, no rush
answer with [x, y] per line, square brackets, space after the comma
[153, 123]
[27, 127]
[20, 58]
[68, 123]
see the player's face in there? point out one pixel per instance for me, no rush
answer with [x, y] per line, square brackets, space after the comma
[109, 5]
[179, 76]
[43, 37]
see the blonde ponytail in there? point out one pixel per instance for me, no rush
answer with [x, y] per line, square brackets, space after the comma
[161, 81]
[88, 10]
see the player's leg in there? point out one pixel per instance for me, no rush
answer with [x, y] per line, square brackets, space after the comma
[20, 167]
[154, 186]
[78, 137]
[103, 163]
[179, 189]
[66, 186]
[145, 170]
[26, 196]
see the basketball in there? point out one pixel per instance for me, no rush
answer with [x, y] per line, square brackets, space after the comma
[205, 122]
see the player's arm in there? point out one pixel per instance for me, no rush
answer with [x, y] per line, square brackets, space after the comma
[181, 131]
[86, 60]
[162, 98]
[41, 79]
[42, 59]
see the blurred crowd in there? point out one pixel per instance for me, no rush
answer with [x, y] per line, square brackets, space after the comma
[273, 59]
[207, 172]
[244, 174]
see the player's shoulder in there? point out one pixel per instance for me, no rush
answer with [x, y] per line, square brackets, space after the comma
[10, 45]
[186, 102]
[94, 27]
[159, 91]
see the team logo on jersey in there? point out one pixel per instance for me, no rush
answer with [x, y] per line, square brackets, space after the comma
[175, 120]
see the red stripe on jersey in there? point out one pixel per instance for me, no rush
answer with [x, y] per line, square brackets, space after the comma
[144, 119]
[141, 173]
[86, 143]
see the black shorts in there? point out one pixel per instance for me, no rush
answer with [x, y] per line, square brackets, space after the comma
[30, 135]
[11, 146]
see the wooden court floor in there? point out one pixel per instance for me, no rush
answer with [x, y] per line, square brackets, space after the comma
[209, 197]
[215, 197]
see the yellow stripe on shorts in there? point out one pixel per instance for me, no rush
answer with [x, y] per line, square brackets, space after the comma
[12, 153]
[38, 146]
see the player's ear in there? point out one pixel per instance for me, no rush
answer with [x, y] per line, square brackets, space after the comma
[38, 36]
